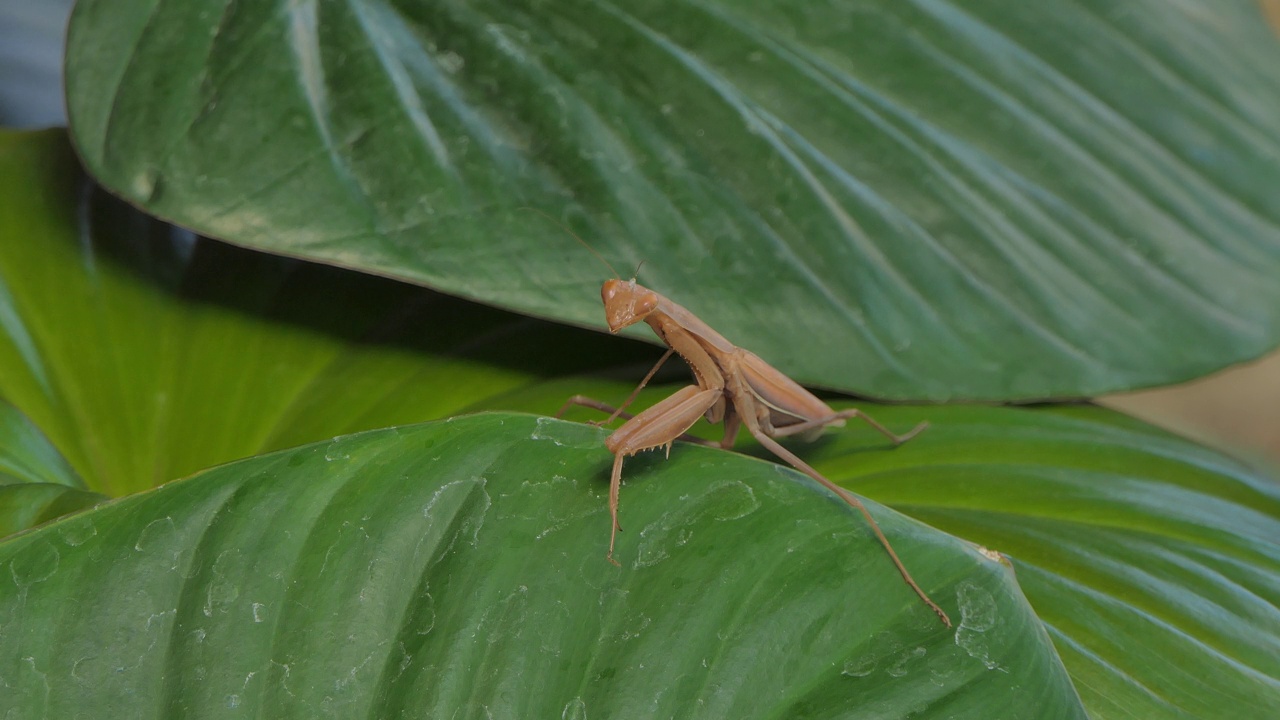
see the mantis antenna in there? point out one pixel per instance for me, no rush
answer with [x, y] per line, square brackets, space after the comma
[574, 235]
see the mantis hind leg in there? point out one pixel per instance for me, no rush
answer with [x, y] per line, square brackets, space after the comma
[818, 423]
[587, 402]
[773, 446]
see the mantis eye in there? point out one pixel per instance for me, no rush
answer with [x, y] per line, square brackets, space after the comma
[646, 304]
[609, 291]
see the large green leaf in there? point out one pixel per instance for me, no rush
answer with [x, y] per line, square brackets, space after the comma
[145, 353]
[990, 199]
[1153, 560]
[456, 569]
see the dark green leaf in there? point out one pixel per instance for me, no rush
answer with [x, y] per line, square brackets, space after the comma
[1154, 562]
[457, 569]
[931, 200]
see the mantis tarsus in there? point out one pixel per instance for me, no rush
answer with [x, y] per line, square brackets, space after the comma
[731, 385]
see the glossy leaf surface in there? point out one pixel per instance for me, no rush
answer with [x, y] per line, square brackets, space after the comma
[1154, 562]
[144, 353]
[913, 200]
[1117, 531]
[457, 569]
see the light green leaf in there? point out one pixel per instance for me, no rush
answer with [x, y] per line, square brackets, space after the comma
[26, 456]
[24, 505]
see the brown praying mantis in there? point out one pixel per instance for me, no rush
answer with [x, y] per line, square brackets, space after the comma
[732, 386]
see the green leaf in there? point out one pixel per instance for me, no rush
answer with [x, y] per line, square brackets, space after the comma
[26, 505]
[26, 456]
[36, 482]
[1085, 501]
[928, 200]
[1154, 562]
[144, 353]
[458, 567]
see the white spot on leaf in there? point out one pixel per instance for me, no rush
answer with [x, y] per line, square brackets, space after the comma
[978, 614]
[575, 709]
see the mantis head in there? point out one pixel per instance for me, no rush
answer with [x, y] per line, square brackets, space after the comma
[626, 303]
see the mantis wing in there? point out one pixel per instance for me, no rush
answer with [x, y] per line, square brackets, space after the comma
[788, 402]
